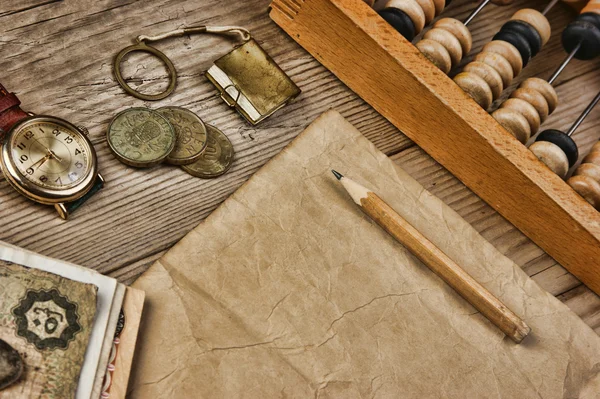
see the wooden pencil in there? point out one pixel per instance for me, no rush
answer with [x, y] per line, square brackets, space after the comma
[479, 297]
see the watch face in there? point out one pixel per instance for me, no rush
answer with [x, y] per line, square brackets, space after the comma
[50, 155]
[48, 160]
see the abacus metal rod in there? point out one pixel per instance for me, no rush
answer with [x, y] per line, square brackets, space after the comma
[564, 64]
[475, 12]
[585, 113]
[549, 7]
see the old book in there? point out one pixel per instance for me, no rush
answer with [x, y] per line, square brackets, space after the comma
[107, 344]
[68, 281]
[125, 338]
[288, 290]
[48, 320]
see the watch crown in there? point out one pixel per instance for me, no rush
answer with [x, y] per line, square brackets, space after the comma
[84, 130]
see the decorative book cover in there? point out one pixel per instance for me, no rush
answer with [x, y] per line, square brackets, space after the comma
[48, 320]
[288, 290]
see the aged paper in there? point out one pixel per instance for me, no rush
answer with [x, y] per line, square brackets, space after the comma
[121, 356]
[105, 294]
[288, 290]
[48, 319]
[109, 338]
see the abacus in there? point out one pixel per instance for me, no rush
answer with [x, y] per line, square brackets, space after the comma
[368, 47]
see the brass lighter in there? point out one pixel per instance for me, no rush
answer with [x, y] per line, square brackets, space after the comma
[251, 82]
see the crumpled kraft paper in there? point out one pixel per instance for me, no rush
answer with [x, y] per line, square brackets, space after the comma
[289, 290]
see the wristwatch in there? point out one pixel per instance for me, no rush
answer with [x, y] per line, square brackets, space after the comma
[45, 158]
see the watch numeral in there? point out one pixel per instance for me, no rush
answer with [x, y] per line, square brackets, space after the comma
[78, 165]
[58, 180]
[77, 152]
[28, 135]
[56, 132]
[23, 158]
[68, 139]
[43, 179]
[30, 171]
[21, 146]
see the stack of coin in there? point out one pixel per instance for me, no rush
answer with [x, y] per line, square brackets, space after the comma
[143, 138]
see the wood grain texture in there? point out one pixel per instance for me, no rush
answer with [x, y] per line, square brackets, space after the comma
[400, 83]
[57, 56]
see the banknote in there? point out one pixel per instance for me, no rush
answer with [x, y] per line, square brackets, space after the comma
[48, 320]
[105, 293]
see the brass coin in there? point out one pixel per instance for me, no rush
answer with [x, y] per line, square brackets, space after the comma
[191, 135]
[216, 159]
[11, 365]
[141, 137]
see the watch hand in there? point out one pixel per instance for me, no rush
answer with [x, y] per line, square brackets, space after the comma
[41, 161]
[53, 155]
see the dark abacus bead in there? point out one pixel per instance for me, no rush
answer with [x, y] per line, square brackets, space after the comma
[527, 31]
[563, 141]
[590, 17]
[518, 41]
[584, 32]
[448, 3]
[400, 21]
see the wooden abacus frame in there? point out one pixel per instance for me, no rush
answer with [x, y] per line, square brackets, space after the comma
[389, 73]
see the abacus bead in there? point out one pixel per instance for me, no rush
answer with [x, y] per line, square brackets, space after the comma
[592, 6]
[535, 98]
[428, 8]
[537, 20]
[475, 87]
[447, 40]
[566, 143]
[588, 188]
[544, 88]
[591, 16]
[489, 74]
[436, 53]
[527, 31]
[588, 169]
[514, 122]
[552, 156]
[525, 109]
[459, 30]
[499, 63]
[400, 21]
[412, 9]
[596, 146]
[439, 6]
[592, 157]
[519, 41]
[585, 34]
[508, 51]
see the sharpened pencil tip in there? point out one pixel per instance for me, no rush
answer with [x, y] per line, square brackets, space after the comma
[338, 175]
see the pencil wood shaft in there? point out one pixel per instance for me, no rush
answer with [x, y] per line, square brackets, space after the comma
[478, 296]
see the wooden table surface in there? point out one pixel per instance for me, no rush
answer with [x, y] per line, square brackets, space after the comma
[57, 56]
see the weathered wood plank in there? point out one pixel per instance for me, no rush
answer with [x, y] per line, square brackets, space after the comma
[57, 56]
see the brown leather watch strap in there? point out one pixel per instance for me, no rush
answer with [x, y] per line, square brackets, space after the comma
[10, 112]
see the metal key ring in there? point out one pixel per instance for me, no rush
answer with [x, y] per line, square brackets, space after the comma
[144, 48]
